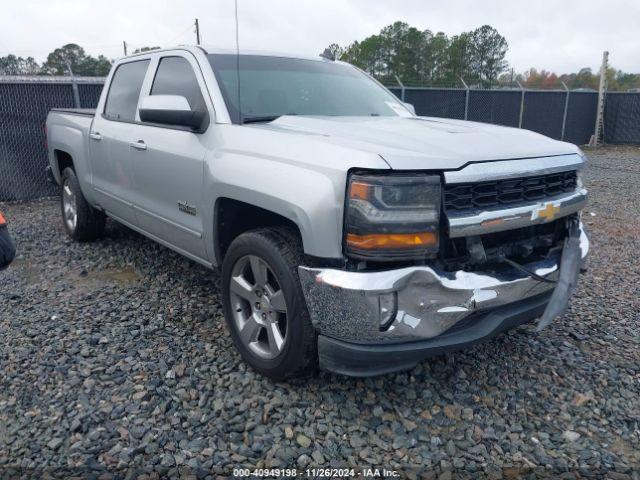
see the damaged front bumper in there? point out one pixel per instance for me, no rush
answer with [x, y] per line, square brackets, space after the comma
[376, 322]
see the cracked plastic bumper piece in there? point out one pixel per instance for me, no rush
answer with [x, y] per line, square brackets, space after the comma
[424, 303]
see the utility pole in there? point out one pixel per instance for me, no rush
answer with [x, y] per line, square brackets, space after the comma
[197, 32]
[602, 90]
[124, 44]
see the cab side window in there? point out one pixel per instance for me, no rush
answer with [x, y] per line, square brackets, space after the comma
[124, 91]
[176, 77]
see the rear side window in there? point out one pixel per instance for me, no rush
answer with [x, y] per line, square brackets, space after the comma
[176, 77]
[124, 90]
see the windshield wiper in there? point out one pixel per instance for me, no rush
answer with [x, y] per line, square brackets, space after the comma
[262, 119]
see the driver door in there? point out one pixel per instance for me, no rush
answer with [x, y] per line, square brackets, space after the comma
[168, 163]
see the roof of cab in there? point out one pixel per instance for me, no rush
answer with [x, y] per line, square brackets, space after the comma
[228, 51]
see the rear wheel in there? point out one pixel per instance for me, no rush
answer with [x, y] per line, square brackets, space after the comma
[82, 222]
[264, 305]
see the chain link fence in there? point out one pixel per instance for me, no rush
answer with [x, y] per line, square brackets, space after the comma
[24, 104]
[622, 118]
[559, 114]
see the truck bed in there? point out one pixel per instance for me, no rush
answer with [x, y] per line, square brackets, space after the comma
[87, 112]
[68, 131]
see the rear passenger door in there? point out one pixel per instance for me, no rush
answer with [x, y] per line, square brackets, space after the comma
[112, 175]
[168, 170]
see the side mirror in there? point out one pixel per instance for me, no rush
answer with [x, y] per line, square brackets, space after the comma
[171, 110]
[410, 106]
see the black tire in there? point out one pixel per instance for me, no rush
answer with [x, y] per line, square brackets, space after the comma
[281, 250]
[7, 247]
[90, 222]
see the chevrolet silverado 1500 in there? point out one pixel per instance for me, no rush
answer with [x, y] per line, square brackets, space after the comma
[351, 234]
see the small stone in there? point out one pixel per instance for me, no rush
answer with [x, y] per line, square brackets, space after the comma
[357, 442]
[288, 432]
[167, 460]
[570, 435]
[182, 394]
[207, 452]
[54, 443]
[76, 424]
[140, 395]
[303, 441]
[179, 369]
[452, 411]
[318, 458]
[451, 448]
[426, 415]
[579, 400]
[446, 475]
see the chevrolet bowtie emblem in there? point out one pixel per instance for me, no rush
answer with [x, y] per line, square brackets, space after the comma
[548, 212]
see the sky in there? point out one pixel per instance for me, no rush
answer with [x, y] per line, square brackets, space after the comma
[557, 35]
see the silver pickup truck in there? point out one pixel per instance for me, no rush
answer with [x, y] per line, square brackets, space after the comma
[351, 234]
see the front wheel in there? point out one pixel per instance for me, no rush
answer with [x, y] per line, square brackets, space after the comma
[264, 306]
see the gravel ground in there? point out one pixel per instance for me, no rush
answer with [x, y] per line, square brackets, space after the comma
[115, 360]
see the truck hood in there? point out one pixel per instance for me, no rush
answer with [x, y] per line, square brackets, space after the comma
[415, 143]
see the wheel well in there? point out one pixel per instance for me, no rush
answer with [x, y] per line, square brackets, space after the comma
[63, 159]
[233, 218]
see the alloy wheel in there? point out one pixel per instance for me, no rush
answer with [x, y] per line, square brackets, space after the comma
[259, 307]
[69, 206]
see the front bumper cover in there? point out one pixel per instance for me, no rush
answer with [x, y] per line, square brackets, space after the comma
[363, 360]
[346, 306]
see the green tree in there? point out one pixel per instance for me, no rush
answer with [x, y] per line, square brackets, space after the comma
[13, 65]
[93, 67]
[436, 59]
[336, 50]
[459, 58]
[62, 59]
[419, 56]
[488, 52]
[72, 56]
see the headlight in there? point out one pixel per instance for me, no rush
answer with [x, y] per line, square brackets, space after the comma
[392, 217]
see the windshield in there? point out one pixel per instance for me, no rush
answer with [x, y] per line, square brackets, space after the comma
[275, 86]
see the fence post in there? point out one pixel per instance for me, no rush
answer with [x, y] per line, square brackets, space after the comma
[401, 87]
[521, 104]
[466, 99]
[602, 90]
[74, 86]
[566, 109]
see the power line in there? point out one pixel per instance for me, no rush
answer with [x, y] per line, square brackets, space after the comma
[180, 34]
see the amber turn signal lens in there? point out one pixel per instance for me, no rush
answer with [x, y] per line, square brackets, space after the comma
[359, 190]
[381, 241]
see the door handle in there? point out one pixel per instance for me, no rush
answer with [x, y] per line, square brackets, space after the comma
[139, 145]
[95, 136]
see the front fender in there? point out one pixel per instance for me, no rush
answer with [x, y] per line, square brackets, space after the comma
[310, 199]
